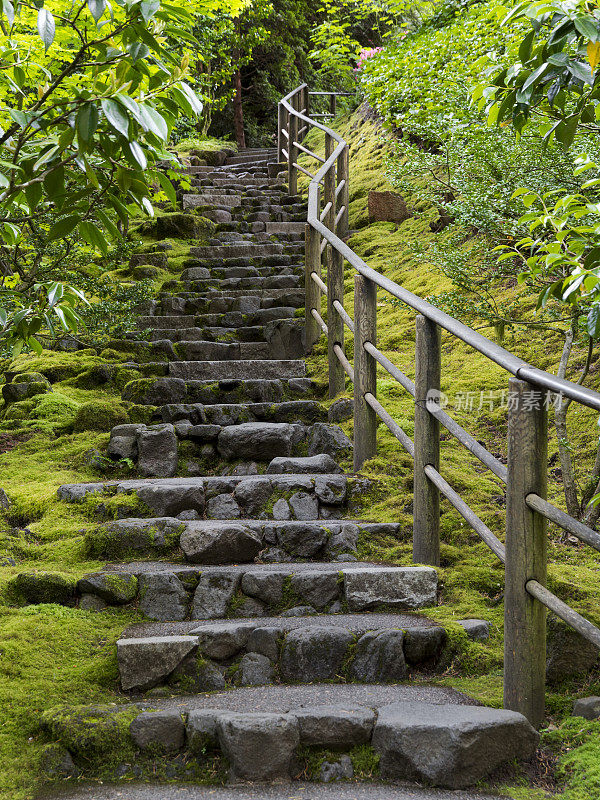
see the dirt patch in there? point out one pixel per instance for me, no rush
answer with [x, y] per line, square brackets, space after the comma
[8, 441]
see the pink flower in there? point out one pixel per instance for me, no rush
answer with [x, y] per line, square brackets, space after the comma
[365, 54]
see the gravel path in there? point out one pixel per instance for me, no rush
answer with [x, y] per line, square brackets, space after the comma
[295, 791]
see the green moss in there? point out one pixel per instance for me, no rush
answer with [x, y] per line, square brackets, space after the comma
[100, 416]
[109, 543]
[93, 733]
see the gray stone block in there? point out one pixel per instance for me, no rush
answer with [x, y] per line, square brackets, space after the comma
[163, 597]
[221, 543]
[266, 586]
[253, 495]
[304, 465]
[423, 644]
[450, 746]
[222, 506]
[331, 489]
[261, 441]
[379, 657]
[281, 509]
[304, 506]
[144, 663]
[314, 654]
[201, 730]
[335, 726]
[317, 588]
[340, 770]
[476, 629]
[157, 451]
[123, 441]
[265, 641]
[223, 641]
[401, 587]
[115, 588]
[587, 707]
[341, 410]
[255, 670]
[162, 731]
[328, 439]
[213, 595]
[259, 747]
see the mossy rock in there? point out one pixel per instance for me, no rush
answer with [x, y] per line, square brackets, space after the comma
[93, 732]
[25, 385]
[100, 416]
[98, 375]
[124, 375]
[32, 588]
[115, 543]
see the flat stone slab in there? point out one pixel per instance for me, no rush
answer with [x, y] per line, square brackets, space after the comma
[357, 623]
[73, 492]
[223, 370]
[283, 699]
[449, 746]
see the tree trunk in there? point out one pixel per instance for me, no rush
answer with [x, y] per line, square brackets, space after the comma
[238, 112]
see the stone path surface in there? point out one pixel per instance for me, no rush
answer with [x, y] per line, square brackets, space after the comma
[300, 791]
[267, 641]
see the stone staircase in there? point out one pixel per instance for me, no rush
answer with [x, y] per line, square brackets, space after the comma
[270, 652]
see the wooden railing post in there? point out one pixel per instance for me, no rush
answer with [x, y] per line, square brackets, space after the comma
[526, 546]
[280, 136]
[335, 324]
[343, 199]
[426, 500]
[292, 149]
[312, 263]
[365, 372]
[332, 104]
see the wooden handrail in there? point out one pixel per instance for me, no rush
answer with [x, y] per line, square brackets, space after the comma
[524, 553]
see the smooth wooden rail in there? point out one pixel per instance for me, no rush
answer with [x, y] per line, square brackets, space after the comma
[524, 552]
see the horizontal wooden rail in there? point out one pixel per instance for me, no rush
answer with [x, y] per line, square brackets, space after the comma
[524, 552]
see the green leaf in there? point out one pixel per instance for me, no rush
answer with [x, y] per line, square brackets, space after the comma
[46, 27]
[54, 183]
[9, 11]
[87, 121]
[116, 116]
[96, 8]
[154, 121]
[149, 8]
[138, 50]
[587, 27]
[93, 236]
[108, 224]
[593, 322]
[167, 187]
[34, 193]
[192, 97]
[62, 228]
[138, 155]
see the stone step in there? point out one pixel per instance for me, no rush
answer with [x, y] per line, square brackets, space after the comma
[221, 302]
[220, 200]
[279, 260]
[306, 412]
[270, 282]
[222, 318]
[427, 734]
[250, 158]
[167, 391]
[226, 370]
[248, 333]
[215, 541]
[190, 350]
[217, 497]
[249, 271]
[175, 592]
[367, 648]
[285, 227]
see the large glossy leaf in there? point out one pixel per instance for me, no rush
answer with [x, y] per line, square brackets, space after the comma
[116, 116]
[46, 27]
[87, 121]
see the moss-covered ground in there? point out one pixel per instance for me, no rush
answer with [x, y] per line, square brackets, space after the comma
[472, 577]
